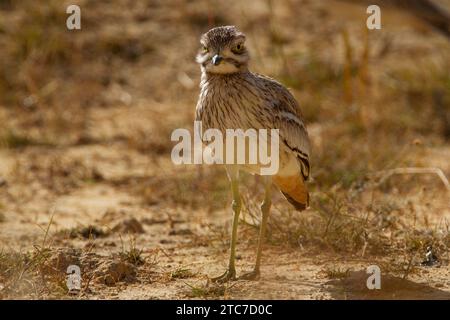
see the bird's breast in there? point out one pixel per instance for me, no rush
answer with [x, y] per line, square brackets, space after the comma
[232, 105]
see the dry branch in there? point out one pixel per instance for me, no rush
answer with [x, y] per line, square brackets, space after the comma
[385, 174]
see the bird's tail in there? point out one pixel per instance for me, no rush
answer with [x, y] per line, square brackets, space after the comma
[294, 189]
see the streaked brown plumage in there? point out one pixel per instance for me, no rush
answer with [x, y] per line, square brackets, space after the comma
[232, 97]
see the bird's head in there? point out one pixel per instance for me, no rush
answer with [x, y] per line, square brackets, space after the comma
[223, 51]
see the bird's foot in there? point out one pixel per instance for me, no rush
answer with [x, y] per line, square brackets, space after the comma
[225, 277]
[252, 275]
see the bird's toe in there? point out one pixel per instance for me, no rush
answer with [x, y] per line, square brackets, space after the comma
[225, 277]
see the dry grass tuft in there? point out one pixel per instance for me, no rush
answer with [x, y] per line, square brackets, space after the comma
[131, 253]
[333, 272]
[208, 290]
[181, 273]
[83, 232]
[345, 227]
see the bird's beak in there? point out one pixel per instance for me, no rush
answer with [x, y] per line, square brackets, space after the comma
[216, 59]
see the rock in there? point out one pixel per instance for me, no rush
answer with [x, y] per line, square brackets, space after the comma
[180, 232]
[61, 259]
[91, 232]
[129, 226]
[110, 272]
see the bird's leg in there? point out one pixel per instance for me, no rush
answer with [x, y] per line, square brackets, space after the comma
[265, 210]
[230, 274]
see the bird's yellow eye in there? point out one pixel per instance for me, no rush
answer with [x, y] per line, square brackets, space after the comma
[204, 49]
[238, 48]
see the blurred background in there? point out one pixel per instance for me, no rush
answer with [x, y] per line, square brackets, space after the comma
[86, 117]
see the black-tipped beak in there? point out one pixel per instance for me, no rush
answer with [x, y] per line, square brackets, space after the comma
[216, 59]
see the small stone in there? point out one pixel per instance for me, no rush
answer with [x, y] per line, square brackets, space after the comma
[111, 272]
[129, 226]
[180, 232]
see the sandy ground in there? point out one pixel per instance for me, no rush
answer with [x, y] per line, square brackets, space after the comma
[181, 247]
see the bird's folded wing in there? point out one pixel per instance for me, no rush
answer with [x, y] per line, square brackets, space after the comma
[293, 134]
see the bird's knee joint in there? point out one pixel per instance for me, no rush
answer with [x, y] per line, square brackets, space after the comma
[236, 205]
[265, 206]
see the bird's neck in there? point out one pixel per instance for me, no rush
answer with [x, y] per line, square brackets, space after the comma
[218, 78]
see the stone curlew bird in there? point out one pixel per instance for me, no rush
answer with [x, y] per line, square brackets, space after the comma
[232, 97]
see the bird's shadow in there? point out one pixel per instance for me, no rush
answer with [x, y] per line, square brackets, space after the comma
[354, 287]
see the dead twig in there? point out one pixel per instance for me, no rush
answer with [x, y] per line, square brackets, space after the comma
[385, 174]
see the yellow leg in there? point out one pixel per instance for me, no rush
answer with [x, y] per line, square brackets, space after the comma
[265, 210]
[230, 274]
